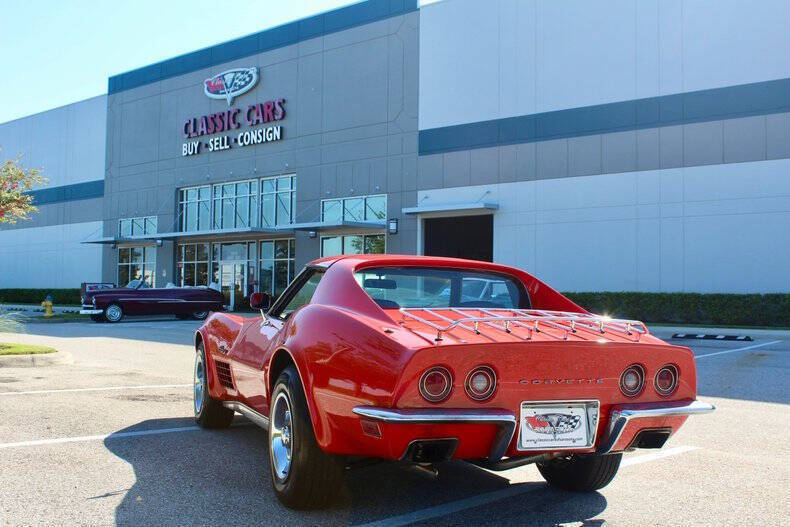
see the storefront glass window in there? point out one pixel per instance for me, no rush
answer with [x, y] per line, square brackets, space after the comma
[136, 263]
[236, 205]
[276, 265]
[362, 208]
[192, 265]
[137, 226]
[194, 208]
[278, 197]
[353, 244]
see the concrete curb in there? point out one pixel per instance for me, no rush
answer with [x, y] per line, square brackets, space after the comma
[43, 359]
[667, 331]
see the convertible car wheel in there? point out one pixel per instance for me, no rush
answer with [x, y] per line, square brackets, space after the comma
[113, 313]
[209, 413]
[580, 473]
[200, 315]
[303, 475]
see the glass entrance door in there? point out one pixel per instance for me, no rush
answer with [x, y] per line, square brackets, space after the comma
[233, 283]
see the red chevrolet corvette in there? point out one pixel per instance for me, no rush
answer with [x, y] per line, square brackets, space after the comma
[426, 359]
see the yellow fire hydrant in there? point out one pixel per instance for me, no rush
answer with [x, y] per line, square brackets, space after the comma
[47, 305]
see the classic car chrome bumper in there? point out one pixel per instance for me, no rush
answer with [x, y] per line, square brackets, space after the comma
[505, 421]
[622, 414]
[619, 417]
[90, 310]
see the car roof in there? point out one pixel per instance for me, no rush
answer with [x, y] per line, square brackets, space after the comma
[405, 260]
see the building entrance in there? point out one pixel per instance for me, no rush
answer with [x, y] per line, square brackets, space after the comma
[470, 237]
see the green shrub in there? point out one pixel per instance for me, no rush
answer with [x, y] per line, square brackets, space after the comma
[36, 296]
[691, 308]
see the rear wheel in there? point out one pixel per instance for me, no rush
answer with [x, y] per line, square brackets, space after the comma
[303, 475]
[580, 473]
[113, 313]
[209, 412]
[200, 315]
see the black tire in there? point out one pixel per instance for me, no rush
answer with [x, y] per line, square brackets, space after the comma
[314, 478]
[113, 313]
[580, 473]
[209, 412]
[97, 318]
[200, 315]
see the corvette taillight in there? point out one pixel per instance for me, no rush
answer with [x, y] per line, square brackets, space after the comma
[480, 383]
[666, 379]
[436, 384]
[632, 380]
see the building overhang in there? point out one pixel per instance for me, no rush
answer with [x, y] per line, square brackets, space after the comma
[476, 207]
[193, 235]
[317, 226]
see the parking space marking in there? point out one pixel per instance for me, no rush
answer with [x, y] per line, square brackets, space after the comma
[101, 389]
[489, 497]
[737, 349]
[116, 435]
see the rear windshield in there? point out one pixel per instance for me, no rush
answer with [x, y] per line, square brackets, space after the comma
[396, 287]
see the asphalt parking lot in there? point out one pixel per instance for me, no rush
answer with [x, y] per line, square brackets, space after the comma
[105, 436]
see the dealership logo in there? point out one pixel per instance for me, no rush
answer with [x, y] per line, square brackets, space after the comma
[553, 423]
[231, 83]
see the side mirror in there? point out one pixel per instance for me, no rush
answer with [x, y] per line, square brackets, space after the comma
[260, 301]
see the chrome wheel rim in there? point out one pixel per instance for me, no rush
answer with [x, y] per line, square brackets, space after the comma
[281, 436]
[200, 382]
[200, 315]
[114, 313]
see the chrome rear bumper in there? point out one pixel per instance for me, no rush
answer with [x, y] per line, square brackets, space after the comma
[622, 414]
[506, 421]
[91, 311]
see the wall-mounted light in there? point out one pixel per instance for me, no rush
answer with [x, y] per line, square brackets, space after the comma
[159, 243]
[393, 226]
[311, 234]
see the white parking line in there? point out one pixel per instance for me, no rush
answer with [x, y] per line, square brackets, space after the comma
[490, 497]
[104, 388]
[117, 435]
[737, 349]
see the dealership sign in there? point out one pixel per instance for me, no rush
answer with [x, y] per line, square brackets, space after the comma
[259, 118]
[231, 83]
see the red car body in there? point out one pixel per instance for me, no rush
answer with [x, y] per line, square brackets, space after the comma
[143, 300]
[361, 367]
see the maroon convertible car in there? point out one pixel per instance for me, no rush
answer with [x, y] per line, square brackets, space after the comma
[137, 298]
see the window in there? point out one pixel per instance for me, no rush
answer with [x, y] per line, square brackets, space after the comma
[396, 287]
[278, 197]
[353, 244]
[236, 205]
[137, 226]
[303, 295]
[277, 265]
[192, 265]
[362, 208]
[194, 208]
[136, 263]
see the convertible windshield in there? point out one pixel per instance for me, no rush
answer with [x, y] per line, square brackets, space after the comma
[136, 284]
[396, 287]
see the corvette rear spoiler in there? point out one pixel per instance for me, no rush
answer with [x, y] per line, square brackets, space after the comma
[523, 324]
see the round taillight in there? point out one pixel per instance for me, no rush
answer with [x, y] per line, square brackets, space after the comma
[480, 383]
[666, 379]
[632, 380]
[436, 384]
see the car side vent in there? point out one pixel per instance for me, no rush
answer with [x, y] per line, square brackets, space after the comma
[223, 374]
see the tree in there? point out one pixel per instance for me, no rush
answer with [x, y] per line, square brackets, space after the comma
[15, 182]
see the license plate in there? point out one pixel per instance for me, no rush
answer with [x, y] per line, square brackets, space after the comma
[558, 425]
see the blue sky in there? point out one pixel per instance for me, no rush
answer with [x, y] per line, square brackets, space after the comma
[58, 52]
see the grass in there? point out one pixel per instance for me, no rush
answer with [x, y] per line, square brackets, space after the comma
[23, 349]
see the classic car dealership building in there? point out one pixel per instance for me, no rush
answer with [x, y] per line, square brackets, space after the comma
[621, 146]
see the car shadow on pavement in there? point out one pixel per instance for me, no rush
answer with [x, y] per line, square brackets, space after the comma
[200, 477]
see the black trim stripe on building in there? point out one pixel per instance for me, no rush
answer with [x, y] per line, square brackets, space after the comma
[77, 191]
[277, 37]
[760, 98]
